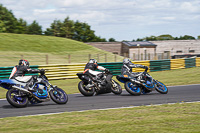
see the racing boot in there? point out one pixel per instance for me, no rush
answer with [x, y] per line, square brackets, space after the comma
[88, 86]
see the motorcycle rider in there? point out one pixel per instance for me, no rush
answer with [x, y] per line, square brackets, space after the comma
[90, 68]
[20, 70]
[127, 69]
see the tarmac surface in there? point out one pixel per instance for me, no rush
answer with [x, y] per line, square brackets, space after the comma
[77, 102]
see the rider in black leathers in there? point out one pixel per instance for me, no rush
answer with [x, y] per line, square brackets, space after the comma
[127, 68]
[90, 68]
[20, 70]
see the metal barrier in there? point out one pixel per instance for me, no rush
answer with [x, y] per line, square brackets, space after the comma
[66, 71]
[160, 65]
[177, 63]
[62, 71]
[198, 61]
[145, 63]
[6, 71]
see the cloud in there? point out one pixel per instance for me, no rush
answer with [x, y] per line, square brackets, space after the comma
[120, 19]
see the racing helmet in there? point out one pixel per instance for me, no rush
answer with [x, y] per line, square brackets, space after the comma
[126, 60]
[24, 62]
[92, 61]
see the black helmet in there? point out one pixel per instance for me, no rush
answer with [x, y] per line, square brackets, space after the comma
[24, 62]
[125, 61]
[92, 61]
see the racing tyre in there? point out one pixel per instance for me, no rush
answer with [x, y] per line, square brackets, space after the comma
[116, 88]
[132, 88]
[59, 96]
[161, 88]
[85, 92]
[17, 98]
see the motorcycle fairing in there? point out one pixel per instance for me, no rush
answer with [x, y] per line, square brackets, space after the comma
[123, 78]
[42, 95]
[149, 84]
[5, 83]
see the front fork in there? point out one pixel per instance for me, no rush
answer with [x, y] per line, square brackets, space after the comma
[114, 84]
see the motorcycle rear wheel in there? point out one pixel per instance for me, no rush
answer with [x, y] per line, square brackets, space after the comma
[14, 98]
[83, 91]
[116, 90]
[133, 90]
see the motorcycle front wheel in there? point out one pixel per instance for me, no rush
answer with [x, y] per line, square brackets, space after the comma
[116, 88]
[16, 98]
[59, 96]
[161, 88]
[85, 91]
[133, 89]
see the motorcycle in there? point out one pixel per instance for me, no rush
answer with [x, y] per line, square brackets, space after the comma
[142, 83]
[19, 97]
[109, 85]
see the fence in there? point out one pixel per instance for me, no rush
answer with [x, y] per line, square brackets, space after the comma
[149, 56]
[40, 59]
[69, 70]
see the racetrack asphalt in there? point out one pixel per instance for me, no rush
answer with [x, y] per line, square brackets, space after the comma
[77, 102]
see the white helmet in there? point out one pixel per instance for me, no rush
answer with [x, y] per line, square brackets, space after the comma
[92, 61]
[125, 61]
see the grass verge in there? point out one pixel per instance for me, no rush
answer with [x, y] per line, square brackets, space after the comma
[35, 49]
[179, 118]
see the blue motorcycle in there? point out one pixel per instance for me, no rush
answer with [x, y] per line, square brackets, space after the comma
[19, 97]
[142, 83]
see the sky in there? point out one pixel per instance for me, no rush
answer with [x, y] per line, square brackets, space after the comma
[118, 19]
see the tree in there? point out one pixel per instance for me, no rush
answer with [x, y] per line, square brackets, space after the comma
[68, 28]
[198, 37]
[186, 37]
[151, 38]
[139, 39]
[165, 37]
[21, 27]
[34, 28]
[111, 40]
[56, 28]
[8, 21]
[74, 30]
[84, 33]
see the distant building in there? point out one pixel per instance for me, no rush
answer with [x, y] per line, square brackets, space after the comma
[113, 47]
[141, 50]
[179, 48]
[138, 50]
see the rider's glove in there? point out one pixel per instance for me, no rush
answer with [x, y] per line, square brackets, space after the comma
[146, 67]
[42, 71]
[107, 71]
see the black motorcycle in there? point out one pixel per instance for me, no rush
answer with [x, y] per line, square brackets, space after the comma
[142, 83]
[99, 86]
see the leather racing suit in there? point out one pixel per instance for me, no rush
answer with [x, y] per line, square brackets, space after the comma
[90, 69]
[19, 71]
[127, 69]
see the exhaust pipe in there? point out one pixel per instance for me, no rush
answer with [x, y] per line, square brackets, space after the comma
[22, 89]
[25, 90]
[138, 82]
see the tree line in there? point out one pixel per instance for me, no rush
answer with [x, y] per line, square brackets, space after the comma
[67, 28]
[166, 37]
[75, 30]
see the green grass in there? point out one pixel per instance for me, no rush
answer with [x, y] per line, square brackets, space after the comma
[179, 76]
[177, 118]
[169, 78]
[35, 48]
